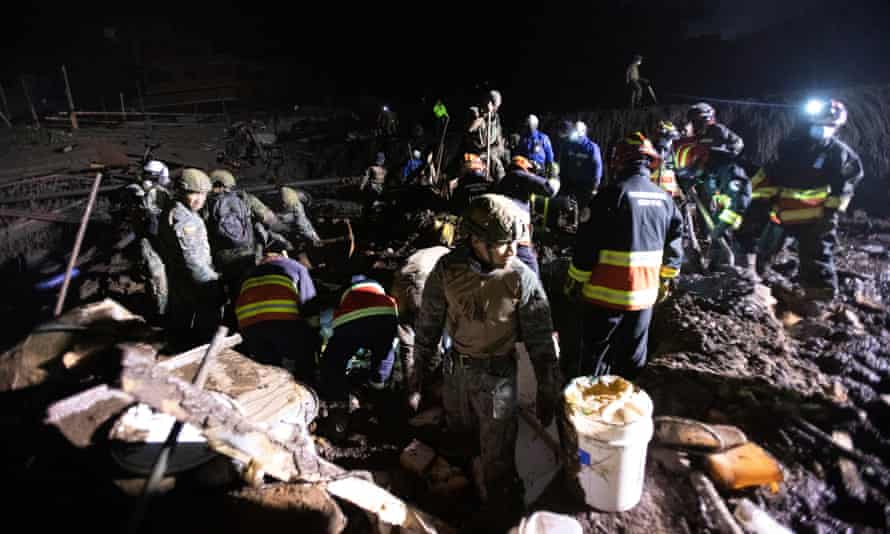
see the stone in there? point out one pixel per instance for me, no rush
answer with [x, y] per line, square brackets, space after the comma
[417, 457]
[445, 479]
[850, 476]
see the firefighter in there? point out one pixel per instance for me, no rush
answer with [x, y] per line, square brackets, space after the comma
[621, 273]
[810, 183]
[666, 134]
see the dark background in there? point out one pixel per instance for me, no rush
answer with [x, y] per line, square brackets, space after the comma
[544, 57]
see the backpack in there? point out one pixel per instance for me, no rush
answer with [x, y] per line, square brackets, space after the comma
[228, 222]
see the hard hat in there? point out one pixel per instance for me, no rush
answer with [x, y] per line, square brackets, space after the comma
[522, 162]
[831, 113]
[380, 159]
[701, 111]
[194, 181]
[635, 149]
[532, 122]
[289, 197]
[474, 164]
[580, 129]
[157, 170]
[136, 190]
[416, 154]
[223, 177]
[492, 218]
[494, 97]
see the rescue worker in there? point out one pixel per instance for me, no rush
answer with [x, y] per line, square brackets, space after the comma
[812, 180]
[230, 228]
[485, 134]
[274, 307]
[146, 203]
[616, 272]
[294, 222]
[195, 297]
[723, 144]
[582, 167]
[636, 83]
[412, 168]
[260, 212]
[664, 176]
[522, 185]
[487, 300]
[407, 290]
[473, 182]
[535, 145]
[365, 318]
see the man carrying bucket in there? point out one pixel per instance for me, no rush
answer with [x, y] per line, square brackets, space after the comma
[488, 300]
[621, 273]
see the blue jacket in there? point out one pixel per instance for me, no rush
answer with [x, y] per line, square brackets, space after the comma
[410, 167]
[582, 168]
[536, 146]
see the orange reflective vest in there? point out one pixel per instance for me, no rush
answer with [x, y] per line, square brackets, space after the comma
[271, 297]
[364, 299]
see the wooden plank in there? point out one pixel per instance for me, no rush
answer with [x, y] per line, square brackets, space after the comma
[72, 114]
[30, 103]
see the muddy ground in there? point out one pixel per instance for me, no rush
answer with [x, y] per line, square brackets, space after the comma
[723, 351]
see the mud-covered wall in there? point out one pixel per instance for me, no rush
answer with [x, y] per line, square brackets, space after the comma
[763, 126]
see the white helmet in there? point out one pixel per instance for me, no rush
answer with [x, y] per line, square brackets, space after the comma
[580, 129]
[532, 122]
[158, 171]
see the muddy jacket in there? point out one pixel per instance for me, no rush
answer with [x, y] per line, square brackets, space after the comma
[408, 283]
[807, 178]
[485, 312]
[633, 238]
[469, 186]
[524, 188]
[183, 245]
[536, 147]
[274, 291]
[476, 133]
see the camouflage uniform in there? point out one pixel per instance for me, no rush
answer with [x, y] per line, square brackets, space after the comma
[485, 312]
[294, 220]
[147, 208]
[195, 294]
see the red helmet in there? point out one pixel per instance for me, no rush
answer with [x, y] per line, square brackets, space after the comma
[635, 148]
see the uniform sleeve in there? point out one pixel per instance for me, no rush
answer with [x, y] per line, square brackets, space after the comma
[673, 246]
[596, 160]
[548, 152]
[195, 250]
[429, 325]
[851, 172]
[536, 325]
[587, 245]
[259, 210]
[734, 143]
[303, 224]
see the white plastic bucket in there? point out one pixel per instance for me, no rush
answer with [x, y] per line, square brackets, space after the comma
[612, 457]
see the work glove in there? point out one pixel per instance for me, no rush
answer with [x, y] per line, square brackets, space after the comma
[572, 289]
[664, 290]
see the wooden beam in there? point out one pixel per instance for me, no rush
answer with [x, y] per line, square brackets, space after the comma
[72, 113]
[3, 101]
[30, 103]
[50, 217]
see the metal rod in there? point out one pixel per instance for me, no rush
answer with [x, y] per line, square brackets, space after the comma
[5, 119]
[72, 113]
[30, 104]
[160, 465]
[78, 241]
[3, 100]
[123, 108]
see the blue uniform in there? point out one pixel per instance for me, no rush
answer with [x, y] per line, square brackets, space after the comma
[581, 170]
[536, 147]
[410, 168]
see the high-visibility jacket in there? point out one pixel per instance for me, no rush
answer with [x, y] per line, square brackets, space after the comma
[807, 178]
[364, 299]
[633, 239]
[274, 291]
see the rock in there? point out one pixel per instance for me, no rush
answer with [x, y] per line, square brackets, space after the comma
[789, 319]
[688, 433]
[850, 476]
[445, 479]
[431, 417]
[850, 317]
[417, 457]
[869, 303]
[838, 392]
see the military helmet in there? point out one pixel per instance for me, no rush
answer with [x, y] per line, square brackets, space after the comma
[224, 177]
[194, 181]
[492, 218]
[290, 197]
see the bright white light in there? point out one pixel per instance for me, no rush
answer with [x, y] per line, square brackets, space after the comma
[814, 106]
[385, 108]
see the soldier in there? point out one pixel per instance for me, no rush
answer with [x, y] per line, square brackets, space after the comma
[294, 221]
[195, 294]
[487, 300]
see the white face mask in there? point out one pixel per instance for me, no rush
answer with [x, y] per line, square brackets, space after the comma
[821, 132]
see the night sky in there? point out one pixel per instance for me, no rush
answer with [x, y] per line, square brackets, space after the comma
[550, 56]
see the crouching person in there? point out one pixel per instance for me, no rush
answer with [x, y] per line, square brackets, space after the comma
[273, 310]
[488, 300]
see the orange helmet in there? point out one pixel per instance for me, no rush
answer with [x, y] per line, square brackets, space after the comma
[635, 148]
[523, 163]
[473, 163]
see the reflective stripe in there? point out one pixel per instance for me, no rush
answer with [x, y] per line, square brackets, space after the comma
[731, 218]
[577, 274]
[806, 194]
[764, 192]
[374, 287]
[364, 312]
[631, 259]
[270, 279]
[646, 194]
[759, 177]
[630, 300]
[724, 201]
[668, 272]
[288, 307]
[801, 215]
